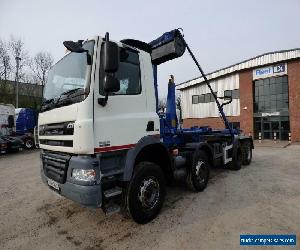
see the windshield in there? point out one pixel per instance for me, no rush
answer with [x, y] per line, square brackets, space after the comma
[71, 72]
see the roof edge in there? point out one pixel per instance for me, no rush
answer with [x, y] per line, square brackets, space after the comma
[232, 65]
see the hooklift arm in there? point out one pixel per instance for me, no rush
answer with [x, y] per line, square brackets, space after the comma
[172, 45]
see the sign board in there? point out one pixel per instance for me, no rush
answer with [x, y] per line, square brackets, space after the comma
[273, 70]
[270, 114]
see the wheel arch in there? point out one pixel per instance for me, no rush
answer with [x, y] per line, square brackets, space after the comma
[244, 139]
[204, 147]
[149, 149]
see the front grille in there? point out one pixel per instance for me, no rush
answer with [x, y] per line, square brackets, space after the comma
[55, 165]
[62, 143]
[64, 128]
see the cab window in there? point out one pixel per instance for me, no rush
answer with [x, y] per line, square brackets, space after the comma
[128, 74]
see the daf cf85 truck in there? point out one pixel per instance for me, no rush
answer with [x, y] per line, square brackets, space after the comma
[104, 143]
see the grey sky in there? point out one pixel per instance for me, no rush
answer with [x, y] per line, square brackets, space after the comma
[219, 32]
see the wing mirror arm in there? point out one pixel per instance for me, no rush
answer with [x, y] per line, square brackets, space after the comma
[111, 59]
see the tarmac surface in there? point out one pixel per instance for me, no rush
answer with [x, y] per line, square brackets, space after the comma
[263, 198]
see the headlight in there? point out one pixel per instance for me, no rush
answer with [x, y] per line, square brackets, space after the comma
[84, 174]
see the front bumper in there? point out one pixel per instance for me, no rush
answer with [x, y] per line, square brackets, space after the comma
[86, 194]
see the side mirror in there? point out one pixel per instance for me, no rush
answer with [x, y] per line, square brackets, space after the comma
[228, 95]
[111, 84]
[77, 48]
[73, 46]
[111, 57]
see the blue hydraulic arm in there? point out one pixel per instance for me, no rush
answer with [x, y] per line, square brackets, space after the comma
[171, 117]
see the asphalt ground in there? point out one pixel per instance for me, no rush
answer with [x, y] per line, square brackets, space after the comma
[263, 198]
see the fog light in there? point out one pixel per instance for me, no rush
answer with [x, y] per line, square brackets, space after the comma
[84, 174]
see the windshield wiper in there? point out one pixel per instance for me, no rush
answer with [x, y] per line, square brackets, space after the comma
[47, 101]
[46, 104]
[67, 94]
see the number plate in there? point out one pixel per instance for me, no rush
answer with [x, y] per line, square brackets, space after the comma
[53, 184]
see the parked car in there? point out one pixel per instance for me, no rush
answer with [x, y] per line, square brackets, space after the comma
[3, 146]
[14, 144]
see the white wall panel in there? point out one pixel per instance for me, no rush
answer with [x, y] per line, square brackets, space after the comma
[203, 110]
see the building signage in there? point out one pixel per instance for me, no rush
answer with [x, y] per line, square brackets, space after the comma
[270, 114]
[273, 70]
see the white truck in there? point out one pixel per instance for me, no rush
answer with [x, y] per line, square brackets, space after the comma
[7, 119]
[103, 142]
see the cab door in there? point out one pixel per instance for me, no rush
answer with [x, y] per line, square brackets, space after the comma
[122, 122]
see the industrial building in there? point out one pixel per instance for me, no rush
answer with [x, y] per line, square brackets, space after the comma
[265, 94]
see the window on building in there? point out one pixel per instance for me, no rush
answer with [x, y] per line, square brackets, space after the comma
[201, 98]
[227, 93]
[212, 99]
[207, 97]
[271, 94]
[235, 94]
[195, 99]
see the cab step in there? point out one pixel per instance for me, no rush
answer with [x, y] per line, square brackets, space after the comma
[113, 192]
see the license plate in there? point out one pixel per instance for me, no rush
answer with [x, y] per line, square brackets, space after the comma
[53, 184]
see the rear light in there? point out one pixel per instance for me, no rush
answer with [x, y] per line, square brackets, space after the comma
[3, 146]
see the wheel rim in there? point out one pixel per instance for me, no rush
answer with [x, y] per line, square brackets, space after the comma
[28, 144]
[200, 172]
[149, 192]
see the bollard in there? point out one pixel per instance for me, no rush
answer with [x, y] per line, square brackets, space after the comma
[290, 137]
[259, 137]
[275, 137]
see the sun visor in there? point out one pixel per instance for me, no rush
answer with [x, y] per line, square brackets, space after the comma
[167, 47]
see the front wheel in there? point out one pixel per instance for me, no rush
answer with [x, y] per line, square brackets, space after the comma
[146, 192]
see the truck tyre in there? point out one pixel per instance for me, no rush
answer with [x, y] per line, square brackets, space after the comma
[29, 143]
[246, 152]
[237, 160]
[145, 193]
[198, 172]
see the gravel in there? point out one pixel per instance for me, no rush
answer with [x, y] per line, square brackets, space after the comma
[263, 198]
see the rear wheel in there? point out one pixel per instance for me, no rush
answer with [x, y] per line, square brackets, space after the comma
[29, 143]
[198, 173]
[246, 152]
[146, 192]
[237, 160]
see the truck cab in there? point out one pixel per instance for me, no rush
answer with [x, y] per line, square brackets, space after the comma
[103, 142]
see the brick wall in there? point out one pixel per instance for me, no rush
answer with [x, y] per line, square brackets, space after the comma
[294, 99]
[214, 122]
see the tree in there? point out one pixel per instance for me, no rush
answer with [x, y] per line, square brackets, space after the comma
[162, 104]
[17, 50]
[5, 64]
[40, 66]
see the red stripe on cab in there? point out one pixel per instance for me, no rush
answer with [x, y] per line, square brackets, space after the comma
[113, 148]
